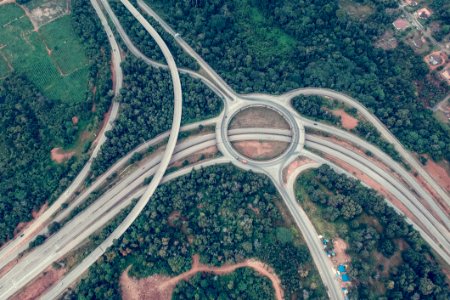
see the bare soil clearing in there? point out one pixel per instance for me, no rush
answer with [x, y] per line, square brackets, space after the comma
[340, 246]
[260, 150]
[40, 285]
[58, 155]
[439, 173]
[297, 163]
[258, 117]
[348, 122]
[161, 287]
[388, 169]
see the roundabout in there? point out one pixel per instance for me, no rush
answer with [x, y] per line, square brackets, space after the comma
[263, 117]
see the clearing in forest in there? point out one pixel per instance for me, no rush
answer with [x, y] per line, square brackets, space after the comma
[55, 63]
[159, 287]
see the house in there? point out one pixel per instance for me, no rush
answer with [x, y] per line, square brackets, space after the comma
[345, 278]
[410, 2]
[401, 24]
[418, 41]
[445, 74]
[341, 269]
[435, 59]
[423, 13]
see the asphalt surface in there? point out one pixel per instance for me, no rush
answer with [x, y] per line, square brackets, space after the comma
[396, 189]
[101, 213]
[12, 248]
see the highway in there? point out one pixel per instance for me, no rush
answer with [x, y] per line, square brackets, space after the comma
[12, 248]
[408, 177]
[99, 213]
[213, 76]
[394, 188]
[434, 231]
[377, 124]
[101, 180]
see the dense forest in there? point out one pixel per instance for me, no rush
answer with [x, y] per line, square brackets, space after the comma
[319, 108]
[31, 125]
[274, 46]
[221, 213]
[373, 229]
[242, 284]
[144, 42]
[147, 109]
[441, 14]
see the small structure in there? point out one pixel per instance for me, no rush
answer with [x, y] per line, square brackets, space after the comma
[435, 59]
[341, 269]
[445, 74]
[410, 2]
[418, 40]
[401, 24]
[345, 277]
[423, 13]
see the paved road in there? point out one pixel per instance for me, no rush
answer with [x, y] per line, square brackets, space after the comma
[12, 248]
[98, 214]
[391, 184]
[73, 275]
[213, 76]
[413, 184]
[136, 52]
[406, 155]
[314, 244]
[175, 128]
[12, 255]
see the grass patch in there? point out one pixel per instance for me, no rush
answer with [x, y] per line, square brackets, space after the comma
[4, 68]
[356, 10]
[25, 50]
[66, 51]
[263, 40]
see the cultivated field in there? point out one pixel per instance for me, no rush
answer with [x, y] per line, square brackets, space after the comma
[51, 57]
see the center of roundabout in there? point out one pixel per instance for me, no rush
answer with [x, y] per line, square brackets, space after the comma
[260, 132]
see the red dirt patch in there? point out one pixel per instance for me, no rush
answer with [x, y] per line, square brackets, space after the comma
[58, 155]
[75, 120]
[386, 168]
[172, 217]
[348, 122]
[439, 173]
[379, 188]
[340, 246]
[260, 150]
[297, 163]
[40, 285]
[160, 287]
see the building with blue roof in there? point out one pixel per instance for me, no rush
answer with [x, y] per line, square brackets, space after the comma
[345, 278]
[341, 268]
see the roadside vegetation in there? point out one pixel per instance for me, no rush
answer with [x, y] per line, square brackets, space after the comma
[144, 42]
[320, 109]
[241, 284]
[147, 109]
[191, 215]
[388, 257]
[275, 46]
[34, 117]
